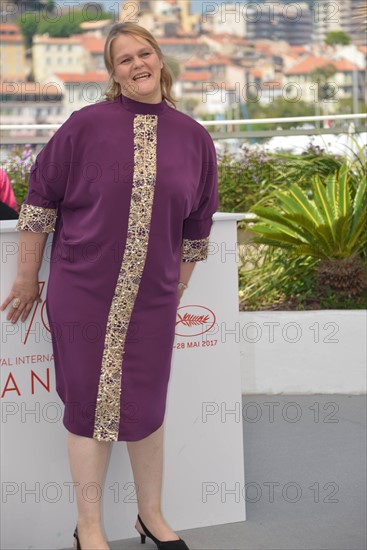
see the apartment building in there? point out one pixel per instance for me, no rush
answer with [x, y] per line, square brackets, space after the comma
[279, 22]
[202, 93]
[80, 90]
[183, 49]
[93, 49]
[225, 18]
[13, 65]
[52, 55]
[339, 15]
[229, 45]
[302, 83]
[212, 84]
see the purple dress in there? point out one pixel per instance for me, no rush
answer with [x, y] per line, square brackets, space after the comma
[129, 190]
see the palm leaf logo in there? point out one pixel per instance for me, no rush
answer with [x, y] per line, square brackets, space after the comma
[190, 320]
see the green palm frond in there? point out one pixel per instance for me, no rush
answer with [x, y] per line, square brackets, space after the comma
[302, 203]
[331, 225]
[342, 191]
[324, 206]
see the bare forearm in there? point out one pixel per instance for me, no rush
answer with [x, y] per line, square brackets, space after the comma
[25, 289]
[31, 248]
[186, 269]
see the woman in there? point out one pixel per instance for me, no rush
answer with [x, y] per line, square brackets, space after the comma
[129, 187]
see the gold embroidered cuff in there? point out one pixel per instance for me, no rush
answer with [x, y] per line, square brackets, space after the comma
[36, 219]
[194, 250]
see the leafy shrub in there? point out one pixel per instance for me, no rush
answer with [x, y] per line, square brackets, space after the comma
[250, 177]
[330, 225]
[243, 181]
[279, 281]
[314, 245]
[301, 168]
[286, 282]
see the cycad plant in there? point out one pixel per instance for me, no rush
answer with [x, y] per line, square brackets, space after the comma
[331, 226]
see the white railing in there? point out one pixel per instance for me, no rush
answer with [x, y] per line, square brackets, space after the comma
[284, 119]
[350, 124]
[236, 122]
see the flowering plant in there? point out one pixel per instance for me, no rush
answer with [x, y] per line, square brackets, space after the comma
[17, 167]
[244, 179]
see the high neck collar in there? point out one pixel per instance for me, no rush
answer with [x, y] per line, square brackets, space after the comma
[141, 108]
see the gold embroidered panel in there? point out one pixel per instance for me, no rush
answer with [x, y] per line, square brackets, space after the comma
[194, 250]
[107, 414]
[36, 219]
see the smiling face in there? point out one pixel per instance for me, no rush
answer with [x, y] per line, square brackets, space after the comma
[134, 57]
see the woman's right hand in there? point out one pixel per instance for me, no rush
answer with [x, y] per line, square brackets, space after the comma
[28, 292]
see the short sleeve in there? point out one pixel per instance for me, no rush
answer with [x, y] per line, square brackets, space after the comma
[197, 226]
[47, 183]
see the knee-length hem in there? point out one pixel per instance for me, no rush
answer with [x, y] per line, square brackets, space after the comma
[84, 432]
[128, 190]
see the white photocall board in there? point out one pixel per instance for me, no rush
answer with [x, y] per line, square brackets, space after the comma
[204, 476]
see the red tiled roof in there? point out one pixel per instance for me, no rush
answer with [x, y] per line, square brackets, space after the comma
[207, 61]
[11, 38]
[228, 38]
[9, 28]
[344, 66]
[196, 77]
[297, 49]
[194, 62]
[257, 73]
[306, 66]
[93, 76]
[93, 44]
[292, 55]
[219, 60]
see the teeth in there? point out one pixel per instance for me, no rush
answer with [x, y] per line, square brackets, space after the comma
[141, 76]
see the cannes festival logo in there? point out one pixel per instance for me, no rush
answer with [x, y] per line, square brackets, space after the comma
[194, 320]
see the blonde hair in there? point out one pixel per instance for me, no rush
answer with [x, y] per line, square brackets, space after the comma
[114, 89]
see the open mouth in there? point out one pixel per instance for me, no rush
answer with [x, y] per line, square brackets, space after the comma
[142, 76]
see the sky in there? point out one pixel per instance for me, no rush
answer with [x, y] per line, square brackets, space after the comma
[196, 5]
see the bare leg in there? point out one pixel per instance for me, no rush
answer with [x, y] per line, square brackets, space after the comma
[146, 457]
[88, 461]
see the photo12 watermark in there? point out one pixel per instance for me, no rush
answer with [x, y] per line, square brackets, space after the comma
[269, 412]
[53, 492]
[70, 11]
[270, 11]
[270, 492]
[269, 91]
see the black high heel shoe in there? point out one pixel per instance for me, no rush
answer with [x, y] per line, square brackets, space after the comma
[161, 544]
[76, 541]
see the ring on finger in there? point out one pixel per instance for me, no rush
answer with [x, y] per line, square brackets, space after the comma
[16, 303]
